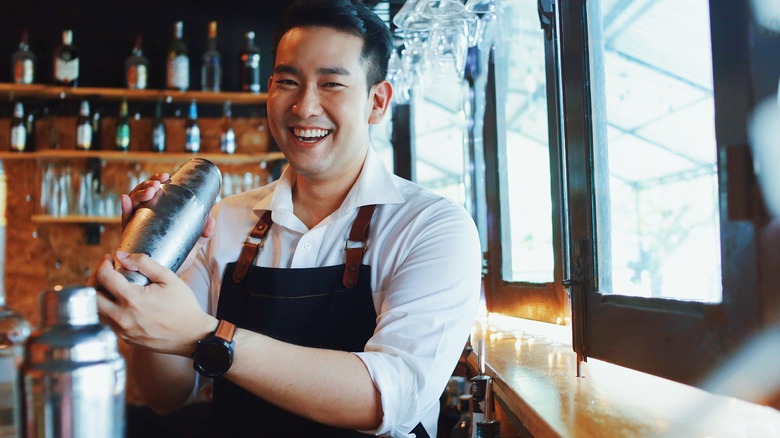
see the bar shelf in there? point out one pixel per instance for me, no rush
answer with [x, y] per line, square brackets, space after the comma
[10, 91]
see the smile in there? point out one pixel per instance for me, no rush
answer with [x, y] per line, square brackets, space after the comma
[310, 135]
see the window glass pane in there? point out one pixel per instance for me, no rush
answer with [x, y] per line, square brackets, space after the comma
[527, 220]
[440, 130]
[655, 158]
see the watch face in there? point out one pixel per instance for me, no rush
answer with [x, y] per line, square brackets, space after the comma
[213, 358]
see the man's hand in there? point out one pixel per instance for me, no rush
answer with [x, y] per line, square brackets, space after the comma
[144, 192]
[163, 316]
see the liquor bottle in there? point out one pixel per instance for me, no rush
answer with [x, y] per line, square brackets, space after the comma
[96, 131]
[227, 137]
[122, 142]
[488, 429]
[14, 331]
[479, 388]
[211, 69]
[18, 129]
[29, 123]
[462, 428]
[249, 67]
[23, 62]
[158, 129]
[488, 426]
[178, 68]
[137, 67]
[84, 128]
[191, 130]
[66, 61]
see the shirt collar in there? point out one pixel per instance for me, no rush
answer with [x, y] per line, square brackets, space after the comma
[375, 185]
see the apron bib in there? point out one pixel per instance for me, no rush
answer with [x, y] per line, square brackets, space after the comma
[328, 307]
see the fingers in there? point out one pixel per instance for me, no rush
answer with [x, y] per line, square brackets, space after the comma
[208, 227]
[127, 209]
[155, 272]
[111, 284]
[141, 193]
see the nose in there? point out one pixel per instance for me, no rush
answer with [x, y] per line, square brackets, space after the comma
[308, 103]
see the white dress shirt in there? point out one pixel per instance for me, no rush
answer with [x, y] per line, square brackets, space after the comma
[425, 260]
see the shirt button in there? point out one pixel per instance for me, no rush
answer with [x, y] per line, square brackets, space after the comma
[307, 245]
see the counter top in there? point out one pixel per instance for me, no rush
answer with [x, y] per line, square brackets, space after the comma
[535, 377]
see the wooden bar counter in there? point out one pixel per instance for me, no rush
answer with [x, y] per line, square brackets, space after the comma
[536, 384]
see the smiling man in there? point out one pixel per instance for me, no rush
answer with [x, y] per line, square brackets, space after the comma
[333, 302]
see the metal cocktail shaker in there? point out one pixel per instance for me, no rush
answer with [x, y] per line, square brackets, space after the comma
[167, 227]
[74, 376]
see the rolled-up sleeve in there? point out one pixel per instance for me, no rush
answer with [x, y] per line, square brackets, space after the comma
[426, 309]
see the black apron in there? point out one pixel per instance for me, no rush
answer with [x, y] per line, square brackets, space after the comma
[329, 307]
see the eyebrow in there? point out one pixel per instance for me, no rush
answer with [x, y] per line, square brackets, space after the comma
[284, 68]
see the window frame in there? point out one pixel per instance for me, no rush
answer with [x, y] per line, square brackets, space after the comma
[547, 302]
[678, 340]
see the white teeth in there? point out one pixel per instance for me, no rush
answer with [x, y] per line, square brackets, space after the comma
[310, 133]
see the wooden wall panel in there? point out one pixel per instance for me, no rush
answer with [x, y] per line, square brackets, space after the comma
[40, 256]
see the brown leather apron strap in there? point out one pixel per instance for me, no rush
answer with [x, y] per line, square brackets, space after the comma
[254, 241]
[359, 234]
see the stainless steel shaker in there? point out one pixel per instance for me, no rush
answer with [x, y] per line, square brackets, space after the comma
[167, 227]
[73, 374]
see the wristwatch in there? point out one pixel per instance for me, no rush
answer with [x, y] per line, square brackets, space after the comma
[214, 353]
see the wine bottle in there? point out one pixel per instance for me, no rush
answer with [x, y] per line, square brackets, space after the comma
[96, 131]
[137, 67]
[29, 123]
[66, 61]
[23, 62]
[227, 137]
[18, 129]
[14, 331]
[211, 69]
[192, 130]
[178, 68]
[84, 128]
[249, 67]
[122, 142]
[158, 129]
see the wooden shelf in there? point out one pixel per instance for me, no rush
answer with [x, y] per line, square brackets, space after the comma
[70, 154]
[15, 91]
[75, 219]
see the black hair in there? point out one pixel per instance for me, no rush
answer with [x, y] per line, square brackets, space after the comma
[347, 16]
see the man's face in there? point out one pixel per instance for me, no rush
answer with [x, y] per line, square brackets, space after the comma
[318, 106]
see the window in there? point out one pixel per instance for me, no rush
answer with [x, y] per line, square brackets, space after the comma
[656, 94]
[657, 224]
[525, 265]
[646, 178]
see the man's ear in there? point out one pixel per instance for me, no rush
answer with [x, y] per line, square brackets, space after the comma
[270, 81]
[380, 96]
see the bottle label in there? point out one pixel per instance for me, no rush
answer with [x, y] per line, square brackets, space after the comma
[123, 137]
[66, 71]
[179, 72]
[18, 138]
[158, 138]
[227, 142]
[23, 71]
[192, 139]
[136, 77]
[251, 73]
[84, 136]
